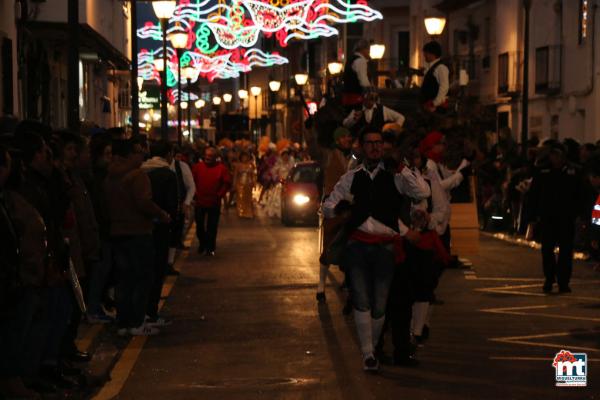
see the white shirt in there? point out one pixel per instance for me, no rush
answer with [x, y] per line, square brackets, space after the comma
[361, 67]
[441, 74]
[389, 115]
[408, 182]
[440, 212]
[188, 181]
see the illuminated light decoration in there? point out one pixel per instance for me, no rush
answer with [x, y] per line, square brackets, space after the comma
[146, 68]
[185, 96]
[239, 24]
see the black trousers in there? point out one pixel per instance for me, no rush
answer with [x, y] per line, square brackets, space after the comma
[207, 224]
[561, 233]
[398, 313]
[160, 235]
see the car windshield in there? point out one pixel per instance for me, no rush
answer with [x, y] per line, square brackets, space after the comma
[308, 174]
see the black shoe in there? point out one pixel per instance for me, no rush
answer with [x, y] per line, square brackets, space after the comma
[321, 298]
[79, 356]
[409, 361]
[371, 364]
[564, 289]
[172, 271]
[547, 288]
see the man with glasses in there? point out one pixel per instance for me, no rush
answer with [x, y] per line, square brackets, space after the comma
[371, 197]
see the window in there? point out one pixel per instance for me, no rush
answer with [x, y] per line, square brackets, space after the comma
[541, 68]
[503, 73]
[583, 20]
[307, 174]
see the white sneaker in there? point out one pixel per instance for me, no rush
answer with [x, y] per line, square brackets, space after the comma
[158, 322]
[144, 330]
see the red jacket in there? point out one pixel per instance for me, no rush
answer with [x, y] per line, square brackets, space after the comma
[212, 183]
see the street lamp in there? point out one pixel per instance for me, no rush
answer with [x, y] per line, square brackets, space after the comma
[227, 97]
[189, 73]
[243, 95]
[159, 64]
[184, 105]
[199, 104]
[255, 90]
[140, 82]
[179, 39]
[164, 10]
[435, 25]
[216, 100]
[301, 79]
[335, 67]
[376, 51]
[274, 86]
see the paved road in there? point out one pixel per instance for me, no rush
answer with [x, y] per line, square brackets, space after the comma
[247, 327]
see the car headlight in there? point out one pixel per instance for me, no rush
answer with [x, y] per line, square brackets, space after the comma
[301, 199]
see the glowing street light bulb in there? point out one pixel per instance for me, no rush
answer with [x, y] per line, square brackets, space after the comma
[146, 117]
[216, 100]
[335, 67]
[199, 103]
[301, 79]
[159, 64]
[184, 105]
[435, 25]
[227, 97]
[255, 90]
[243, 94]
[274, 86]
[376, 51]
[140, 82]
[164, 9]
[178, 38]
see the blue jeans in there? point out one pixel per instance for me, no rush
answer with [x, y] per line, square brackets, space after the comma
[99, 274]
[134, 258]
[371, 270]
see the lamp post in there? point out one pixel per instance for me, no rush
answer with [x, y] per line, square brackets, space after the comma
[376, 52]
[301, 80]
[255, 90]
[189, 73]
[274, 86]
[217, 103]
[164, 10]
[525, 116]
[199, 104]
[179, 39]
[135, 95]
[243, 95]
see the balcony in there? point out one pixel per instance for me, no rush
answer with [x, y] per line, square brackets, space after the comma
[509, 73]
[548, 64]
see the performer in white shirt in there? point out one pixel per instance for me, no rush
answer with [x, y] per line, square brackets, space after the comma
[372, 198]
[434, 90]
[373, 116]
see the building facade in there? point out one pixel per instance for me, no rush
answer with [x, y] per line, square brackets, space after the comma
[37, 32]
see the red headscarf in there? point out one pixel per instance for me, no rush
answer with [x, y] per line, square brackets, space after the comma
[427, 144]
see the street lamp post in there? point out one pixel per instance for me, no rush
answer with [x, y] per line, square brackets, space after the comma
[243, 95]
[164, 11]
[301, 80]
[435, 26]
[217, 103]
[135, 89]
[274, 86]
[255, 90]
[376, 52]
[179, 39]
[199, 104]
[189, 73]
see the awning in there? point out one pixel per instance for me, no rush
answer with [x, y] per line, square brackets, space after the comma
[90, 41]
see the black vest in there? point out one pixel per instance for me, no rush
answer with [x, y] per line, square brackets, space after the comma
[351, 82]
[431, 86]
[376, 124]
[378, 198]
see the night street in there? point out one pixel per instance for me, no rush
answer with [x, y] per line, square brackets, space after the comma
[246, 325]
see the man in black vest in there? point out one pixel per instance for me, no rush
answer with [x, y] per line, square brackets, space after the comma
[435, 86]
[372, 197]
[356, 78]
[372, 117]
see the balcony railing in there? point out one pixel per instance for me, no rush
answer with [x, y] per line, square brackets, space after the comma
[548, 64]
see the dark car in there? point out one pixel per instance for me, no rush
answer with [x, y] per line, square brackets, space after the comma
[301, 194]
